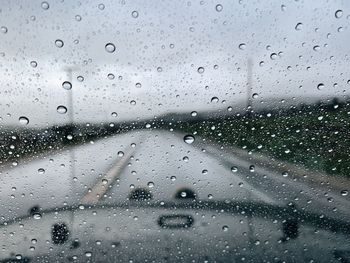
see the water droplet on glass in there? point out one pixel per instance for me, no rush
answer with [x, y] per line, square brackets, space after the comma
[133, 102]
[78, 18]
[344, 192]
[225, 228]
[37, 216]
[80, 78]
[242, 46]
[88, 254]
[200, 70]
[316, 48]
[255, 95]
[193, 113]
[320, 86]
[135, 14]
[338, 13]
[114, 114]
[110, 47]
[218, 7]
[273, 56]
[173, 178]
[101, 6]
[45, 5]
[205, 171]
[41, 170]
[285, 174]
[150, 184]
[299, 26]
[252, 168]
[110, 76]
[61, 109]
[67, 85]
[185, 159]
[234, 169]
[189, 139]
[214, 99]
[59, 43]
[4, 29]
[138, 85]
[23, 120]
[33, 64]
[120, 154]
[104, 181]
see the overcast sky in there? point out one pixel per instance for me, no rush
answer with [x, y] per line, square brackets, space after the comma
[161, 46]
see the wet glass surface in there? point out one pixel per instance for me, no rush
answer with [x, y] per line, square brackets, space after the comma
[174, 131]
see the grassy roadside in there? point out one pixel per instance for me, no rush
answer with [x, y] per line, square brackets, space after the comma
[317, 139]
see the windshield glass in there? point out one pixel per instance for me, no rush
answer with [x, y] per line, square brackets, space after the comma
[174, 131]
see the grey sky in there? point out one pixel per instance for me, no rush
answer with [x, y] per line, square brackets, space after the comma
[176, 36]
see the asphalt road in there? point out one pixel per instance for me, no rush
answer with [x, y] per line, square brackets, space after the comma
[161, 162]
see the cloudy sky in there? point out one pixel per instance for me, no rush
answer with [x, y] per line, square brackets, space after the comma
[159, 47]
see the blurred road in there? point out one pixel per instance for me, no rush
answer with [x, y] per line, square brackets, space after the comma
[108, 170]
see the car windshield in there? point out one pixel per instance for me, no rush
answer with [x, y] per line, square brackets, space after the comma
[175, 131]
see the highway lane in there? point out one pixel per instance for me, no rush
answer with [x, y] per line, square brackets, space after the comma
[159, 162]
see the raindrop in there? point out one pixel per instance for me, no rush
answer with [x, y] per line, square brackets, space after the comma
[320, 86]
[101, 6]
[41, 170]
[37, 216]
[299, 26]
[189, 139]
[225, 228]
[33, 64]
[344, 192]
[110, 76]
[45, 5]
[78, 18]
[80, 78]
[138, 85]
[159, 69]
[173, 178]
[205, 171]
[252, 168]
[255, 95]
[242, 46]
[200, 70]
[150, 184]
[104, 181]
[234, 169]
[273, 56]
[4, 29]
[316, 48]
[218, 7]
[285, 174]
[59, 43]
[135, 14]
[67, 85]
[88, 254]
[61, 109]
[133, 102]
[114, 114]
[214, 99]
[110, 47]
[23, 120]
[34, 241]
[185, 159]
[193, 113]
[120, 153]
[338, 13]
[240, 184]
